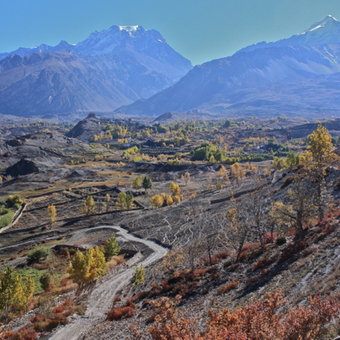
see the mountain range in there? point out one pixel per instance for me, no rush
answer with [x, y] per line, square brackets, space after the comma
[110, 68]
[295, 76]
[131, 70]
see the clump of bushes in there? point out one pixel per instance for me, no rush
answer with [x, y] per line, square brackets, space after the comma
[37, 255]
[26, 333]
[263, 319]
[119, 313]
[58, 316]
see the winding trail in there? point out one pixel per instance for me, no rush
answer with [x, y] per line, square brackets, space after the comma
[101, 298]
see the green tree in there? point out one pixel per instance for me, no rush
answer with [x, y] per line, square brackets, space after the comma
[147, 182]
[139, 276]
[37, 255]
[112, 247]
[46, 281]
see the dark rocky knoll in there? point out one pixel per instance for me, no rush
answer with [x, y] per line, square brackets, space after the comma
[21, 168]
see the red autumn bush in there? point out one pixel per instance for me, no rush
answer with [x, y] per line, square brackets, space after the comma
[58, 316]
[261, 320]
[227, 288]
[66, 307]
[217, 257]
[119, 313]
[292, 249]
[264, 262]
[197, 274]
[22, 334]
[269, 237]
[250, 250]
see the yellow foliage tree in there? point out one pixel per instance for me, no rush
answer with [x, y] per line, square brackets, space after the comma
[86, 267]
[157, 201]
[319, 155]
[107, 201]
[177, 198]
[169, 200]
[222, 171]
[52, 213]
[15, 291]
[237, 171]
[137, 183]
[125, 200]
[89, 205]
[175, 189]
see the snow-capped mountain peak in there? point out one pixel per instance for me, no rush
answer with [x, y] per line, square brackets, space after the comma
[324, 32]
[328, 21]
[132, 28]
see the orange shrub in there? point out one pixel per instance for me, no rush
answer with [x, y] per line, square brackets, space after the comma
[292, 249]
[217, 257]
[65, 282]
[227, 288]
[269, 237]
[119, 313]
[22, 334]
[250, 250]
[264, 262]
[251, 280]
[260, 320]
[46, 323]
[197, 274]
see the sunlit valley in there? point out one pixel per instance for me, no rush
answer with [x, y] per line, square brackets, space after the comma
[142, 197]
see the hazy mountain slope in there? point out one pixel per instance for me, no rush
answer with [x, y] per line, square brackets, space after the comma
[108, 69]
[57, 83]
[300, 73]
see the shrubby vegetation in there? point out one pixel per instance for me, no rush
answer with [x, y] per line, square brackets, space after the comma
[259, 320]
[8, 207]
[15, 291]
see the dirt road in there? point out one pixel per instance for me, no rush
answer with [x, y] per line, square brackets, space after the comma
[101, 298]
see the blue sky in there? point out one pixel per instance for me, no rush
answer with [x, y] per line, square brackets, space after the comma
[201, 30]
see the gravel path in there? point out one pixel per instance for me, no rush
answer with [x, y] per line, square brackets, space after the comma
[101, 298]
